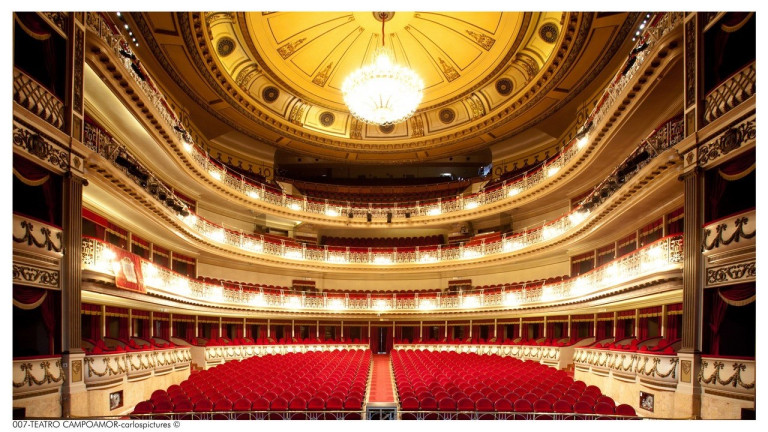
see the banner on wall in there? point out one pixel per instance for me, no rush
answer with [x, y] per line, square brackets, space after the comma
[128, 272]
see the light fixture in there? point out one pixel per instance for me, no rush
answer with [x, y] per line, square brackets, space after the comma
[253, 194]
[514, 191]
[382, 92]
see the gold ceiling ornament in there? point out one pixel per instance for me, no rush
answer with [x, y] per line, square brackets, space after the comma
[382, 92]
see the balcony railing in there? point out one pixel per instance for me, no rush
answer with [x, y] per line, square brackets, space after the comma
[37, 375]
[661, 139]
[658, 26]
[663, 255]
[104, 369]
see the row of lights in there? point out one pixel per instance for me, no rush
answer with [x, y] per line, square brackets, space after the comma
[334, 211]
[130, 32]
[652, 259]
[641, 27]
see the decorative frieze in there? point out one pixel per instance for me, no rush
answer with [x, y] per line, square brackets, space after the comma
[733, 138]
[732, 273]
[730, 377]
[30, 275]
[35, 376]
[25, 234]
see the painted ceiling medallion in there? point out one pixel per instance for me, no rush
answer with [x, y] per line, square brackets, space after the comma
[504, 86]
[327, 118]
[548, 32]
[447, 115]
[225, 46]
[270, 93]
[386, 128]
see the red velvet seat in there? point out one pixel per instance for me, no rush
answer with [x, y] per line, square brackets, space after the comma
[603, 408]
[484, 405]
[163, 406]
[625, 410]
[503, 405]
[582, 407]
[203, 405]
[143, 407]
[562, 406]
[543, 406]
[446, 404]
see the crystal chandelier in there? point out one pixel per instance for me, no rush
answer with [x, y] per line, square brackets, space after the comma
[382, 92]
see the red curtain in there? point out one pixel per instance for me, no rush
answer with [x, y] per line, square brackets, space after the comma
[190, 334]
[34, 175]
[375, 339]
[736, 295]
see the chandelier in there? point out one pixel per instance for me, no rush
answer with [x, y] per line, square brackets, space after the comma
[382, 92]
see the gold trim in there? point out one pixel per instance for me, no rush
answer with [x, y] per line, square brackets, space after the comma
[34, 305]
[103, 384]
[738, 176]
[29, 182]
[29, 32]
[737, 27]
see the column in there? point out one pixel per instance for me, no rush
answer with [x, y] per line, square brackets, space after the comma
[74, 398]
[689, 388]
[663, 323]
[151, 324]
[170, 325]
[637, 323]
[103, 321]
[197, 329]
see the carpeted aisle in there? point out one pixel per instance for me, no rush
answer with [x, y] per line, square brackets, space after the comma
[381, 382]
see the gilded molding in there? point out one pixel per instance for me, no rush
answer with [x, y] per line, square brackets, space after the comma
[727, 274]
[731, 93]
[47, 378]
[35, 144]
[37, 99]
[734, 380]
[737, 234]
[35, 276]
[46, 242]
[727, 141]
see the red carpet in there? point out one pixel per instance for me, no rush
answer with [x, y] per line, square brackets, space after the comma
[381, 382]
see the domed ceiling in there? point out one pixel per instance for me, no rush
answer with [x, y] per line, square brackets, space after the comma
[276, 76]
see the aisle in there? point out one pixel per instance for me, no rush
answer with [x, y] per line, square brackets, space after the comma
[381, 381]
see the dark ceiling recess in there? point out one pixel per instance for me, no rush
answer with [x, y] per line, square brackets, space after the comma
[297, 167]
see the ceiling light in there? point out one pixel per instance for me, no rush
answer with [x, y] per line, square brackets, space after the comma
[382, 92]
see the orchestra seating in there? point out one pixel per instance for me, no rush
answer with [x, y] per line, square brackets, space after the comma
[445, 381]
[274, 386]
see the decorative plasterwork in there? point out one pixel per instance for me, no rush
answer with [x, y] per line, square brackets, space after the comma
[31, 275]
[31, 95]
[731, 139]
[731, 93]
[577, 27]
[732, 273]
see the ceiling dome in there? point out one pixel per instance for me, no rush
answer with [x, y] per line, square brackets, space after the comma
[277, 76]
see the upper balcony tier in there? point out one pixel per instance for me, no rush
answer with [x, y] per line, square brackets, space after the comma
[110, 60]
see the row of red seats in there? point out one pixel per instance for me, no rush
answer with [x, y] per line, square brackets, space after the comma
[293, 382]
[663, 346]
[98, 346]
[434, 381]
